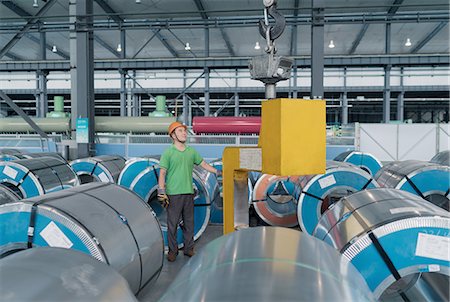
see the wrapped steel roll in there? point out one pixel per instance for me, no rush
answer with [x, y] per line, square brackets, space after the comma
[14, 154]
[317, 192]
[102, 168]
[133, 167]
[275, 199]
[268, 264]
[7, 154]
[56, 274]
[394, 239]
[427, 180]
[104, 220]
[7, 195]
[365, 161]
[145, 184]
[442, 158]
[37, 176]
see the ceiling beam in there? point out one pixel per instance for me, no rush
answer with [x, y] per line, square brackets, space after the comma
[225, 37]
[394, 8]
[108, 9]
[107, 46]
[165, 42]
[24, 14]
[430, 36]
[31, 22]
[358, 39]
[13, 57]
[113, 15]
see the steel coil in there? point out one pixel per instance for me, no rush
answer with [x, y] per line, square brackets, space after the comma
[102, 168]
[103, 220]
[393, 238]
[427, 180]
[442, 158]
[7, 195]
[275, 201]
[268, 264]
[317, 192]
[37, 176]
[141, 176]
[56, 274]
[365, 161]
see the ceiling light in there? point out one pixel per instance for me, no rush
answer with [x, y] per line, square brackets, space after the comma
[138, 2]
[54, 49]
[257, 46]
[331, 45]
[35, 3]
[119, 47]
[408, 42]
[187, 47]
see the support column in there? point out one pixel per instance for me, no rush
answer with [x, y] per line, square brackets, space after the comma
[41, 77]
[123, 92]
[136, 102]
[400, 99]
[317, 51]
[42, 106]
[345, 100]
[82, 70]
[185, 101]
[206, 69]
[236, 94]
[387, 78]
[294, 81]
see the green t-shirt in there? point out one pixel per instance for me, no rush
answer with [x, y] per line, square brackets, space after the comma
[179, 166]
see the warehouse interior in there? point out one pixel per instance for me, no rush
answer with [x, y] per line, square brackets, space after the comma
[326, 124]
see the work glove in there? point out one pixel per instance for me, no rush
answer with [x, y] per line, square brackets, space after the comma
[219, 173]
[163, 198]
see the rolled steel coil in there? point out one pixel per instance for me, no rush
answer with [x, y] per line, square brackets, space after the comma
[102, 168]
[104, 220]
[268, 264]
[7, 195]
[365, 161]
[145, 184]
[427, 180]
[442, 158]
[275, 199]
[10, 154]
[37, 176]
[394, 239]
[317, 192]
[56, 274]
[7, 154]
[226, 124]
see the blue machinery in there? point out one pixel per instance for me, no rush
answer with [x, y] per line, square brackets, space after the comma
[103, 220]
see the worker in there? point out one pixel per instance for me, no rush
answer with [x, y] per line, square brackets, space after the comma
[175, 189]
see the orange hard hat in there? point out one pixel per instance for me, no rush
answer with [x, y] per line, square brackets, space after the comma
[174, 126]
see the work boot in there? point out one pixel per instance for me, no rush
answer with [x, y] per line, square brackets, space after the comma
[171, 256]
[190, 253]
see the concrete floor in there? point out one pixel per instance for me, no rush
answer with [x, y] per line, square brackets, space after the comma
[170, 270]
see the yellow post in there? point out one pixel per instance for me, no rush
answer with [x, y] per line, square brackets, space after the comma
[292, 141]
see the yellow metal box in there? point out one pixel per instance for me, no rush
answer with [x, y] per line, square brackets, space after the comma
[293, 136]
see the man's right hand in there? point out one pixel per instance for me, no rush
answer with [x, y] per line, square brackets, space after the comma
[163, 198]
